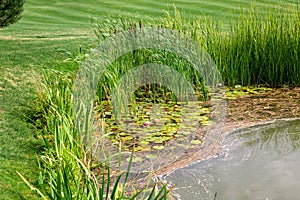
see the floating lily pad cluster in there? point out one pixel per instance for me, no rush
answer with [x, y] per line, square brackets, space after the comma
[238, 91]
[150, 126]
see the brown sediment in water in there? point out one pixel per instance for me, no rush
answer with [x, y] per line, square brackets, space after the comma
[245, 111]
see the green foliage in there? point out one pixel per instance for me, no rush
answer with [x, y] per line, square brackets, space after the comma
[71, 22]
[67, 170]
[10, 11]
[262, 47]
[257, 49]
[112, 75]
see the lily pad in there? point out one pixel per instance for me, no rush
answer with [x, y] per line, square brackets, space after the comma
[203, 118]
[142, 148]
[127, 138]
[206, 123]
[158, 147]
[196, 142]
[144, 143]
[151, 156]
[158, 141]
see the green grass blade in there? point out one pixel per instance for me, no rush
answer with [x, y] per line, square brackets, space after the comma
[115, 188]
[34, 189]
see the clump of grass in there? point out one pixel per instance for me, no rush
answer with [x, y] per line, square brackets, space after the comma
[67, 169]
[112, 75]
[262, 47]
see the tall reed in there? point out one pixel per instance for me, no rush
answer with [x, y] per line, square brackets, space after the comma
[67, 170]
[261, 47]
[112, 75]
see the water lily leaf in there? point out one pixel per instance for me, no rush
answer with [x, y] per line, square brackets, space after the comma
[164, 128]
[123, 134]
[230, 98]
[205, 110]
[144, 143]
[142, 148]
[153, 138]
[176, 114]
[114, 128]
[158, 141]
[206, 123]
[151, 156]
[168, 134]
[158, 147]
[114, 141]
[203, 118]
[165, 138]
[196, 142]
[253, 92]
[127, 138]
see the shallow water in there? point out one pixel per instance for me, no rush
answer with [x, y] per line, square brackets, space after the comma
[258, 163]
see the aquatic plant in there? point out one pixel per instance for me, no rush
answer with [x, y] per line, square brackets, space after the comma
[67, 168]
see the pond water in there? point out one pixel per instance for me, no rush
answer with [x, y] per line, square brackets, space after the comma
[257, 163]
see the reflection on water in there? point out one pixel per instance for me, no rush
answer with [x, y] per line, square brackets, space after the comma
[257, 163]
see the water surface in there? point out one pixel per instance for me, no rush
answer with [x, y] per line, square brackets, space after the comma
[256, 163]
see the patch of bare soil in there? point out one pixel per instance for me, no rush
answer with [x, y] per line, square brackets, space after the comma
[245, 111]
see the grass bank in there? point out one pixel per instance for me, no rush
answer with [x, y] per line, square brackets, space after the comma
[18, 147]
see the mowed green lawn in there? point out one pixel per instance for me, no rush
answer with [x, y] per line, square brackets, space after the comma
[48, 33]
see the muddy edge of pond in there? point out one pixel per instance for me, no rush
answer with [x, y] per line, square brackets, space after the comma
[277, 104]
[244, 111]
[229, 127]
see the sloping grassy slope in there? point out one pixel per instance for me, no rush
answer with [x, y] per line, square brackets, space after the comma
[17, 145]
